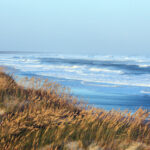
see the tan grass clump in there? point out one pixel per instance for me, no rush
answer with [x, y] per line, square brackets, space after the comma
[46, 115]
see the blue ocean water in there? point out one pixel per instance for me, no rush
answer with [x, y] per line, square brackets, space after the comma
[109, 82]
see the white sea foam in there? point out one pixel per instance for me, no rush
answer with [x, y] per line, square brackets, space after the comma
[105, 70]
[144, 65]
[62, 66]
[115, 81]
[81, 72]
[145, 92]
[138, 59]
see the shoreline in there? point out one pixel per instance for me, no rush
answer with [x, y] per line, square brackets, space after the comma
[88, 97]
[97, 97]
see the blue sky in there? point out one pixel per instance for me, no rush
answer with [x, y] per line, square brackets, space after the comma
[76, 26]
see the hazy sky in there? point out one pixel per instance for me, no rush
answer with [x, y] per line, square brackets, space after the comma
[76, 26]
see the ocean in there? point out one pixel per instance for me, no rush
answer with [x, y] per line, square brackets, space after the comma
[108, 82]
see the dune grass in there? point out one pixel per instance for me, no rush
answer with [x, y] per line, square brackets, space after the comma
[44, 115]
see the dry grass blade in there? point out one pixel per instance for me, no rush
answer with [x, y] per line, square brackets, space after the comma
[44, 115]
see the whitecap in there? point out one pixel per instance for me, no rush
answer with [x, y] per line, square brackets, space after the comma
[145, 92]
[105, 70]
[144, 65]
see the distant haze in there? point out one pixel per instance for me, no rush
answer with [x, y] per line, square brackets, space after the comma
[76, 26]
